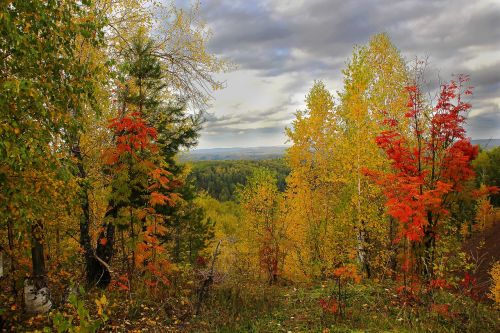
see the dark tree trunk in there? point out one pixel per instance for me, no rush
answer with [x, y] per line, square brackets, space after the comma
[100, 274]
[96, 272]
[98, 269]
[429, 242]
[10, 235]
[85, 240]
[36, 292]
[37, 256]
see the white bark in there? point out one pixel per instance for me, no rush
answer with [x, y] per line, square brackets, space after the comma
[36, 301]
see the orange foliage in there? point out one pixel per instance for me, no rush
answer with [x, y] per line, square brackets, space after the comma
[441, 309]
[433, 163]
[348, 272]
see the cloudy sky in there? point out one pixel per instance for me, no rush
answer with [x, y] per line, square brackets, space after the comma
[281, 47]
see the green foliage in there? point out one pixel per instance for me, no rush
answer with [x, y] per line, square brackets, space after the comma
[41, 81]
[220, 179]
[64, 322]
[227, 215]
[190, 231]
[244, 308]
[42, 89]
[487, 168]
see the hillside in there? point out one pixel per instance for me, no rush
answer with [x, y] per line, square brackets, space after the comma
[220, 179]
[251, 153]
[271, 152]
[487, 143]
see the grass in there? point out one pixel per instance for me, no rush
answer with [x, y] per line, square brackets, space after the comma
[370, 308]
[253, 306]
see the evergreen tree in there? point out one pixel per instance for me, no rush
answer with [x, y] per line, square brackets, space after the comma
[147, 90]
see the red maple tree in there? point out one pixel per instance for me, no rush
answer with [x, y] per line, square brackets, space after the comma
[430, 162]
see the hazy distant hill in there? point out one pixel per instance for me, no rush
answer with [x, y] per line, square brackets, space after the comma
[265, 153]
[487, 143]
[253, 153]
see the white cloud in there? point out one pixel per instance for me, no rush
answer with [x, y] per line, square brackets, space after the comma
[282, 46]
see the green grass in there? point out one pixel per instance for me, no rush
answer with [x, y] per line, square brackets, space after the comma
[256, 307]
[370, 308]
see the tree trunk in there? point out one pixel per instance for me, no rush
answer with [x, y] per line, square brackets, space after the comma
[101, 275]
[10, 236]
[392, 247]
[36, 292]
[429, 242]
[85, 239]
[96, 272]
[37, 255]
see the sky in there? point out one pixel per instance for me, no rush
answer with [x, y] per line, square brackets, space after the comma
[281, 47]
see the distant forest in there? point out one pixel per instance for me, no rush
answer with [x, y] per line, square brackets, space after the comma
[220, 179]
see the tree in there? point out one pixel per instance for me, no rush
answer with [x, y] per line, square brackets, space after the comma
[487, 169]
[428, 167]
[188, 65]
[148, 90]
[189, 231]
[331, 200]
[260, 200]
[149, 80]
[311, 191]
[374, 87]
[42, 87]
[139, 184]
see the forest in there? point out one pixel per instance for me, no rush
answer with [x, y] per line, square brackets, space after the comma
[220, 179]
[381, 217]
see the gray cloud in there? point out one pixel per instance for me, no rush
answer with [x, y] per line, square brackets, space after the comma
[485, 125]
[294, 42]
[230, 137]
[240, 122]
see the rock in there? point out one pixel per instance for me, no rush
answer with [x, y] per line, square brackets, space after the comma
[36, 301]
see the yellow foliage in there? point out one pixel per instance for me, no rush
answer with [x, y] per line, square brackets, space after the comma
[101, 304]
[485, 214]
[310, 196]
[495, 283]
[334, 210]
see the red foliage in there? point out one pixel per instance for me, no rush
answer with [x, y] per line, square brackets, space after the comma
[201, 261]
[269, 260]
[484, 191]
[469, 286]
[409, 295]
[135, 146]
[439, 284]
[427, 165]
[131, 134]
[121, 284]
[330, 306]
